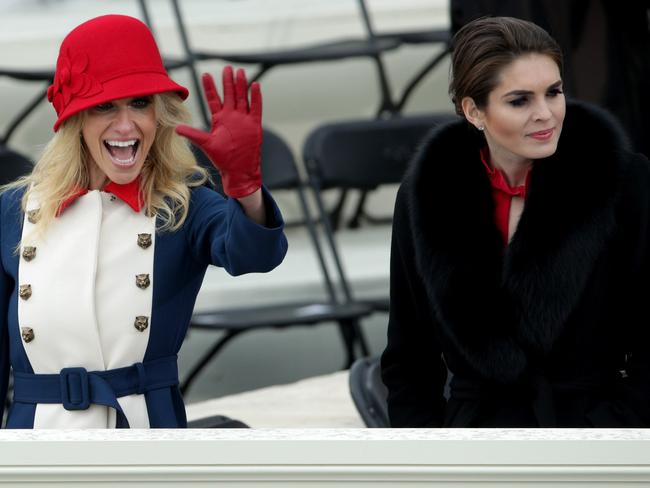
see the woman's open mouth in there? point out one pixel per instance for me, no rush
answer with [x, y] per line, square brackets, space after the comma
[123, 153]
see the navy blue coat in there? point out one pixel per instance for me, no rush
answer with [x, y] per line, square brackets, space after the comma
[216, 232]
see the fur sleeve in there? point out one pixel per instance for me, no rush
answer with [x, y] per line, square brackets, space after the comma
[412, 365]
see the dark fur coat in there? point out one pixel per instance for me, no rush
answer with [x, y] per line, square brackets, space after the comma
[554, 329]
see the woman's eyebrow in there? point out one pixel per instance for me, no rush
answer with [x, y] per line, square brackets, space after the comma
[529, 92]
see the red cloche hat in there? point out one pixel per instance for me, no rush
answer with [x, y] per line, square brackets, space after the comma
[104, 59]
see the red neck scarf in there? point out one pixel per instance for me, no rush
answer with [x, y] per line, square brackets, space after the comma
[502, 194]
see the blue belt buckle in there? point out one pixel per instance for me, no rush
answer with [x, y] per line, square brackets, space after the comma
[80, 378]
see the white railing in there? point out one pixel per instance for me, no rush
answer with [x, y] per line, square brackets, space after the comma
[341, 458]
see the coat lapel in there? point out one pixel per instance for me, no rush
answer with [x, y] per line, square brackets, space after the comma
[567, 223]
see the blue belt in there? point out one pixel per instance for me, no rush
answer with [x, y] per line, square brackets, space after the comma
[77, 389]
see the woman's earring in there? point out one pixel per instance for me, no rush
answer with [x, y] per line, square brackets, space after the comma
[480, 127]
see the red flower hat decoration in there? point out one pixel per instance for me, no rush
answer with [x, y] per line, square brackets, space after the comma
[71, 80]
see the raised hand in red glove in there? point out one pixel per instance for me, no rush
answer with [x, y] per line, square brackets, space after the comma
[235, 138]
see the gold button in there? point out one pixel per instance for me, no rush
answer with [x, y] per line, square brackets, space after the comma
[27, 334]
[141, 322]
[29, 253]
[144, 240]
[25, 291]
[142, 281]
[32, 216]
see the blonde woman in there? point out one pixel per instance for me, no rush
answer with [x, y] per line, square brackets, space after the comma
[104, 246]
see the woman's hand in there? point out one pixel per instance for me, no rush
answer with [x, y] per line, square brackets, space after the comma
[235, 138]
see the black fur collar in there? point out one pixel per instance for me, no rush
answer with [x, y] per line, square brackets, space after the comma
[499, 308]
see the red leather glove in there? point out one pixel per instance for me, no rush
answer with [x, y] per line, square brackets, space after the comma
[235, 138]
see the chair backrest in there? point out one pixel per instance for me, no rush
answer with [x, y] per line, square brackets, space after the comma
[279, 170]
[364, 154]
[13, 165]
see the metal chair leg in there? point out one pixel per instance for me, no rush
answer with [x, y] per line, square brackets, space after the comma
[206, 358]
[346, 327]
[336, 214]
[352, 335]
[355, 221]
[361, 339]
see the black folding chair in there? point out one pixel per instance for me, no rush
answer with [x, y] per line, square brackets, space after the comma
[362, 155]
[368, 392]
[371, 46]
[279, 172]
[266, 60]
[13, 165]
[217, 422]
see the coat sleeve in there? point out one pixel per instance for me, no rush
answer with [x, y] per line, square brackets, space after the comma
[412, 366]
[220, 233]
[635, 312]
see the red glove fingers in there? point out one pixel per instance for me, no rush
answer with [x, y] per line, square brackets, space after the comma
[256, 102]
[235, 138]
[211, 94]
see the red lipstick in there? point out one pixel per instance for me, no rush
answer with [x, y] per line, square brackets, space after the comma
[543, 135]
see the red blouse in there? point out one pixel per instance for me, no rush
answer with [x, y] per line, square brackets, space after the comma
[502, 194]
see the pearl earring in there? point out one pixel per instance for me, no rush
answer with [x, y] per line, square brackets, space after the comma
[480, 127]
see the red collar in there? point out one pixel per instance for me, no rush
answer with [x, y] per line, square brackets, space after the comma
[498, 179]
[129, 194]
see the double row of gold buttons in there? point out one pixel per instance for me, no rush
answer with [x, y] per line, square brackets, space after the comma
[142, 281]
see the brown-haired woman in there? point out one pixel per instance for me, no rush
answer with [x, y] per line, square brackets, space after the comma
[520, 264]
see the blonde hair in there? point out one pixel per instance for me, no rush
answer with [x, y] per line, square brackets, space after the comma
[169, 170]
